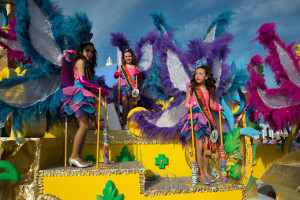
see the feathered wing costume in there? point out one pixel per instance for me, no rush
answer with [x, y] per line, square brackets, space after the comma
[281, 106]
[37, 39]
[167, 73]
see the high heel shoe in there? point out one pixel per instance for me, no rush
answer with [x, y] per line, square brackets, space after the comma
[204, 182]
[76, 163]
[210, 178]
[89, 163]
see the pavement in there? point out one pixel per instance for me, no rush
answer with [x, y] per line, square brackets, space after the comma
[263, 191]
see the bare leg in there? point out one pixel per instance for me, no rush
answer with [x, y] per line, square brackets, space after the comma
[125, 110]
[130, 106]
[205, 157]
[199, 147]
[80, 136]
[199, 150]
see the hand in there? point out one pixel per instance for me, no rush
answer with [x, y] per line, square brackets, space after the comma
[193, 104]
[136, 73]
[118, 74]
[188, 105]
[104, 92]
[220, 107]
[216, 107]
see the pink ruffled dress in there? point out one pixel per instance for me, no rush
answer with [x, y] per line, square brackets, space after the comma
[199, 121]
[77, 99]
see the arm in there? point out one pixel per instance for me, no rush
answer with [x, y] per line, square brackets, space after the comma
[188, 99]
[118, 73]
[79, 65]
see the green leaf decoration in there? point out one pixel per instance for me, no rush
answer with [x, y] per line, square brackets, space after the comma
[251, 181]
[235, 171]
[253, 152]
[125, 155]
[237, 155]
[12, 173]
[232, 141]
[109, 192]
[260, 69]
[254, 125]
[161, 161]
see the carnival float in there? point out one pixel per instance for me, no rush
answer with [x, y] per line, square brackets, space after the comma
[148, 161]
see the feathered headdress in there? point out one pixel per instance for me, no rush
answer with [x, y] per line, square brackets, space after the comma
[119, 40]
[86, 38]
[199, 63]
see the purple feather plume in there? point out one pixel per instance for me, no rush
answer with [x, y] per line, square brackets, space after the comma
[119, 40]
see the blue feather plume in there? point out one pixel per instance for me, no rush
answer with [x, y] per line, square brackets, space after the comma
[160, 22]
[34, 113]
[222, 22]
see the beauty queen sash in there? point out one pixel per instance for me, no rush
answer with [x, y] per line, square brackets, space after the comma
[204, 108]
[130, 81]
[210, 149]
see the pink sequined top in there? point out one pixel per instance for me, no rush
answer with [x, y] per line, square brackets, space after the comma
[131, 71]
[206, 95]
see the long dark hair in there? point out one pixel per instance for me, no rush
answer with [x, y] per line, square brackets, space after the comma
[79, 55]
[134, 62]
[210, 82]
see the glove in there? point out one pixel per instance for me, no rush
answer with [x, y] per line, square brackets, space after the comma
[189, 105]
[216, 107]
[136, 73]
[94, 87]
[118, 74]
[220, 107]
[104, 92]
[193, 104]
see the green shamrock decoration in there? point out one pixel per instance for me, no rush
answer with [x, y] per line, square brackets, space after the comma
[109, 192]
[232, 141]
[161, 161]
[125, 155]
[90, 158]
[235, 171]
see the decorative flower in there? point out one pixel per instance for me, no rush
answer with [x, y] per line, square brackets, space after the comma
[235, 171]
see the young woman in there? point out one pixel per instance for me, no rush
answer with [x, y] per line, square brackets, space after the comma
[79, 101]
[200, 95]
[128, 73]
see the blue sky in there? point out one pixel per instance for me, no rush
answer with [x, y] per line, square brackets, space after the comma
[191, 19]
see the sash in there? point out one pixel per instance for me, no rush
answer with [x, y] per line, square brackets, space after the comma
[204, 108]
[127, 77]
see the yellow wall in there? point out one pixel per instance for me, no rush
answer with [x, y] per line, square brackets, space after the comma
[266, 155]
[146, 153]
[87, 187]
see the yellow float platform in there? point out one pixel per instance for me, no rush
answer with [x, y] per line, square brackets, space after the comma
[43, 176]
